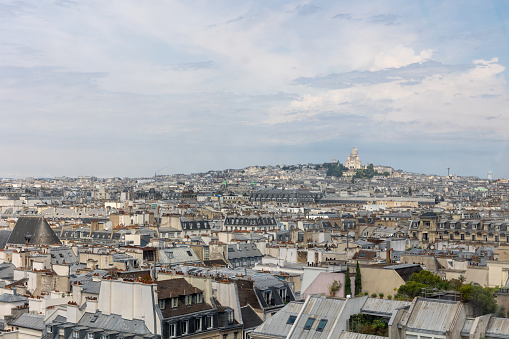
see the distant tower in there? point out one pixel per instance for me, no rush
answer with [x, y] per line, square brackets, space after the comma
[353, 161]
[490, 175]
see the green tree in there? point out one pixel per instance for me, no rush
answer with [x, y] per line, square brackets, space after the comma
[348, 282]
[358, 280]
[481, 298]
[423, 279]
[411, 289]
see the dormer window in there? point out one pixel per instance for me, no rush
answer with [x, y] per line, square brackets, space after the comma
[174, 302]
[229, 315]
[187, 300]
[199, 298]
[282, 293]
[162, 304]
[267, 295]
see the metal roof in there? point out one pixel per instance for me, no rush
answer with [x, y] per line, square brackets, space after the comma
[382, 307]
[113, 322]
[432, 315]
[277, 325]
[29, 320]
[318, 308]
[11, 298]
[353, 335]
[498, 328]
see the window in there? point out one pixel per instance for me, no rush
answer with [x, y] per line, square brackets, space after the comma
[187, 300]
[496, 238]
[309, 323]
[184, 326]
[199, 298]
[451, 236]
[225, 336]
[208, 321]
[473, 237]
[485, 237]
[321, 325]
[267, 295]
[172, 330]
[291, 320]
[174, 302]
[90, 335]
[162, 304]
[76, 334]
[104, 336]
[230, 317]
[197, 324]
[189, 253]
[462, 236]
[282, 293]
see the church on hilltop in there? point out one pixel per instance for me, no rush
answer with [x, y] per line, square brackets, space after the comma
[353, 162]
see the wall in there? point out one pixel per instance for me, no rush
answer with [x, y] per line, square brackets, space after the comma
[380, 280]
[131, 300]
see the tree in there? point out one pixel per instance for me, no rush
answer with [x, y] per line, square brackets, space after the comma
[358, 280]
[411, 289]
[348, 282]
[423, 279]
[481, 298]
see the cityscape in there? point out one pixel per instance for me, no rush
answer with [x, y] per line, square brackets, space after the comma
[242, 169]
[345, 249]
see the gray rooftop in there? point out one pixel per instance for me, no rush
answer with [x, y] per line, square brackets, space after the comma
[277, 325]
[29, 320]
[382, 307]
[113, 322]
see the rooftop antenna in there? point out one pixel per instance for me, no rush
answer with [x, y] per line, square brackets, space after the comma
[448, 168]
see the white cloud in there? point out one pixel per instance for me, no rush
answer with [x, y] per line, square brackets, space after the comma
[400, 56]
[474, 99]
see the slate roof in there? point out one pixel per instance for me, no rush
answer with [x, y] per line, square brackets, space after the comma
[11, 298]
[4, 236]
[7, 271]
[34, 230]
[249, 317]
[113, 322]
[92, 287]
[29, 320]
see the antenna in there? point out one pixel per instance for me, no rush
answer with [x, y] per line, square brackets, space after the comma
[448, 168]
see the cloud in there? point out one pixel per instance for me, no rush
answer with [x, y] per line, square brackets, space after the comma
[386, 19]
[443, 100]
[400, 56]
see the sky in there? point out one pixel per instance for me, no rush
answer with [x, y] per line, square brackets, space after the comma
[126, 88]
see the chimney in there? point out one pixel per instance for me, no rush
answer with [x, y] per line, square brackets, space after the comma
[388, 257]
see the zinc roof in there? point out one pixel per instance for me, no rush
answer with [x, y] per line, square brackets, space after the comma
[277, 325]
[318, 308]
[498, 328]
[431, 315]
[353, 335]
[382, 307]
[29, 320]
[113, 322]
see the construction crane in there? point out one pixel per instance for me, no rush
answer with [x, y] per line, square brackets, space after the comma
[155, 174]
